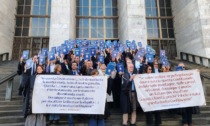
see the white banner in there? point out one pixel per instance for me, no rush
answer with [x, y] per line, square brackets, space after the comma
[169, 90]
[69, 94]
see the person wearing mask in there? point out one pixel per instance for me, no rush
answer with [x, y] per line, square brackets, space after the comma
[128, 96]
[34, 119]
[149, 115]
[188, 111]
[55, 117]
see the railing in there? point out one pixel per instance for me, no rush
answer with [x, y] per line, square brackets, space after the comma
[9, 87]
[203, 76]
[4, 56]
[204, 61]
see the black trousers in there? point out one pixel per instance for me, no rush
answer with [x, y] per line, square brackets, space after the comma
[149, 118]
[187, 116]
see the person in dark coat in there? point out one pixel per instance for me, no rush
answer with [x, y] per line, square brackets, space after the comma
[33, 119]
[32, 70]
[74, 70]
[55, 117]
[20, 71]
[188, 111]
[50, 67]
[149, 115]
[128, 96]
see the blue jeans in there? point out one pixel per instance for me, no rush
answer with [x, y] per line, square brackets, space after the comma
[70, 119]
[53, 117]
[95, 122]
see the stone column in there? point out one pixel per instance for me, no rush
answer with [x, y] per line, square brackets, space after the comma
[7, 25]
[63, 21]
[132, 21]
[192, 26]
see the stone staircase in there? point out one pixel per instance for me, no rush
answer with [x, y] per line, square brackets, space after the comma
[11, 111]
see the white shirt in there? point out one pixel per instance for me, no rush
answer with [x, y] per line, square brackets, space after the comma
[156, 70]
[52, 66]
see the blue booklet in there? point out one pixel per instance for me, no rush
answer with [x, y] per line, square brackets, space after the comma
[128, 43]
[138, 55]
[77, 52]
[109, 69]
[51, 56]
[133, 46]
[93, 52]
[44, 51]
[150, 58]
[29, 63]
[25, 54]
[101, 59]
[82, 50]
[179, 68]
[114, 53]
[87, 56]
[120, 67]
[64, 50]
[53, 49]
[140, 44]
[42, 60]
[162, 53]
[121, 49]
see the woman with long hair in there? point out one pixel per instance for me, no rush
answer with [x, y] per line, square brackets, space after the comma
[34, 119]
[55, 117]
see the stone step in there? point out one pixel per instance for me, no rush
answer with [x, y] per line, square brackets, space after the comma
[16, 102]
[112, 122]
[196, 121]
[11, 119]
[11, 113]
[14, 98]
[205, 108]
[13, 124]
[10, 107]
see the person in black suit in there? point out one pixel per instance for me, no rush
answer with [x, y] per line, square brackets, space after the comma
[27, 74]
[32, 70]
[156, 67]
[74, 70]
[149, 115]
[20, 71]
[128, 96]
[33, 119]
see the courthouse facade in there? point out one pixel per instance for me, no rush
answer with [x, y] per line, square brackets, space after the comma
[174, 25]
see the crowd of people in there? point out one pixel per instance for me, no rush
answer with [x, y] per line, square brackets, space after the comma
[120, 83]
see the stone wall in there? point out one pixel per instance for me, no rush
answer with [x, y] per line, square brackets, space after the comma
[63, 21]
[191, 26]
[7, 25]
[132, 21]
[204, 12]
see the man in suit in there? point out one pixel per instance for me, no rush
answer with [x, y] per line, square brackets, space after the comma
[156, 67]
[79, 63]
[74, 70]
[128, 96]
[32, 70]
